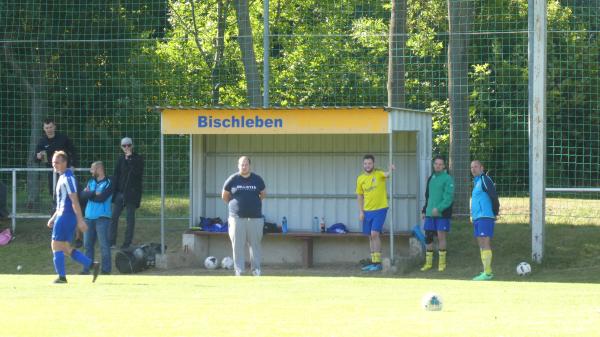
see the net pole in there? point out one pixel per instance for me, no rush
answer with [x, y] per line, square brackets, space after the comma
[14, 201]
[162, 188]
[391, 161]
[191, 181]
[537, 124]
[266, 54]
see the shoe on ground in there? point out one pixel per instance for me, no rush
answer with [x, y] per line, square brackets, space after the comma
[442, 267]
[483, 277]
[373, 267]
[95, 270]
[60, 280]
[365, 262]
[426, 267]
[367, 267]
[256, 272]
[238, 273]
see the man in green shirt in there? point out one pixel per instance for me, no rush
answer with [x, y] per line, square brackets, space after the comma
[437, 211]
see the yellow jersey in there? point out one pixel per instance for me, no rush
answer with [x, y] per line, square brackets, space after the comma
[372, 187]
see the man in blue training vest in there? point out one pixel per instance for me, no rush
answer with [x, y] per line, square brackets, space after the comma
[483, 215]
[64, 220]
[98, 212]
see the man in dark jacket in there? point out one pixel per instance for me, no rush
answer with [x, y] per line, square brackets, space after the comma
[51, 142]
[127, 182]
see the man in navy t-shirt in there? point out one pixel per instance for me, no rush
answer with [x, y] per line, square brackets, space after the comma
[243, 192]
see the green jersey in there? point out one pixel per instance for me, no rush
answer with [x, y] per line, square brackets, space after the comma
[440, 194]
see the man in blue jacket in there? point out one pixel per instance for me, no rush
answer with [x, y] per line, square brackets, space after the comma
[98, 212]
[484, 208]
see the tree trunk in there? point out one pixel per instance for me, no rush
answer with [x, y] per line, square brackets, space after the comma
[395, 85]
[460, 17]
[216, 71]
[33, 83]
[247, 49]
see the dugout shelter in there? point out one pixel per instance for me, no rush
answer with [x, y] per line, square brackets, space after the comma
[309, 159]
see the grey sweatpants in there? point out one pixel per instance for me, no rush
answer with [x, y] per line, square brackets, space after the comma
[242, 231]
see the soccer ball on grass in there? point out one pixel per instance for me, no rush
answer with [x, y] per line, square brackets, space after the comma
[227, 263]
[523, 269]
[211, 262]
[432, 302]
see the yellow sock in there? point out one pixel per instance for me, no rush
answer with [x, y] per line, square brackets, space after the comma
[442, 261]
[376, 257]
[486, 259]
[428, 261]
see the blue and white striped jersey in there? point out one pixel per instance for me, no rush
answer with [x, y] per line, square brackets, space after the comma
[66, 184]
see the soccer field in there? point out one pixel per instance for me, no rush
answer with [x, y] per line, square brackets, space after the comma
[292, 306]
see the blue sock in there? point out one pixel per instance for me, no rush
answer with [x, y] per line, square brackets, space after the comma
[81, 258]
[59, 263]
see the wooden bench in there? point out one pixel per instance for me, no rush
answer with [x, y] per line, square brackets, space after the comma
[307, 239]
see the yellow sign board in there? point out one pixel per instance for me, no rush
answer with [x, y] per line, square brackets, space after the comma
[275, 121]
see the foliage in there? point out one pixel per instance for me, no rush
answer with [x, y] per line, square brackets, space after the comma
[102, 65]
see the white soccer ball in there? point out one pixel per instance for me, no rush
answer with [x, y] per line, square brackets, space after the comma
[432, 302]
[227, 263]
[523, 269]
[211, 262]
[19, 268]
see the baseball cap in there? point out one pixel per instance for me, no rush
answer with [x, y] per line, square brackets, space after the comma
[126, 140]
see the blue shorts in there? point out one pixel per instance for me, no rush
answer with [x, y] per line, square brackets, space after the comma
[437, 224]
[483, 227]
[374, 221]
[64, 227]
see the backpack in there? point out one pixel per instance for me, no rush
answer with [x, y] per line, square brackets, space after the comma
[6, 237]
[490, 188]
[137, 259]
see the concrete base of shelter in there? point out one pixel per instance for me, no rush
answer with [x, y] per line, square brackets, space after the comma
[288, 250]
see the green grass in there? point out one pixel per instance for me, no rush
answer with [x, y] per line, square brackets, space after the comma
[292, 306]
[561, 297]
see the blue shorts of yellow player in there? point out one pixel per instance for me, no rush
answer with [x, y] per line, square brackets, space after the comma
[436, 224]
[373, 221]
[483, 227]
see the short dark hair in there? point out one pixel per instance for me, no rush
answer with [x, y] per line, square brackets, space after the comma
[369, 156]
[442, 158]
[49, 120]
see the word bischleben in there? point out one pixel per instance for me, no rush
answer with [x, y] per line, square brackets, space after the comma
[239, 122]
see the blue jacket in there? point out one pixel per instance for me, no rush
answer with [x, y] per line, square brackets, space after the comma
[98, 205]
[481, 201]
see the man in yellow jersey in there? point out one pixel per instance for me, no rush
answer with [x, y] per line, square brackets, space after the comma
[372, 203]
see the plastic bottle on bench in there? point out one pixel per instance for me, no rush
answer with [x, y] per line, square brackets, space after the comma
[284, 228]
[315, 224]
[322, 225]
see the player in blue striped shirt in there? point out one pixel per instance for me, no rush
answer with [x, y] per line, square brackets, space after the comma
[63, 222]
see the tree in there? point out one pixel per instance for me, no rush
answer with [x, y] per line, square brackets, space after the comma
[459, 17]
[397, 44]
[247, 49]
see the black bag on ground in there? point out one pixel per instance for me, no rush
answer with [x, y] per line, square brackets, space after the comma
[137, 258]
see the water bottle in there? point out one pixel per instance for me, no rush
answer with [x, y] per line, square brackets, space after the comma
[315, 225]
[284, 228]
[322, 225]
